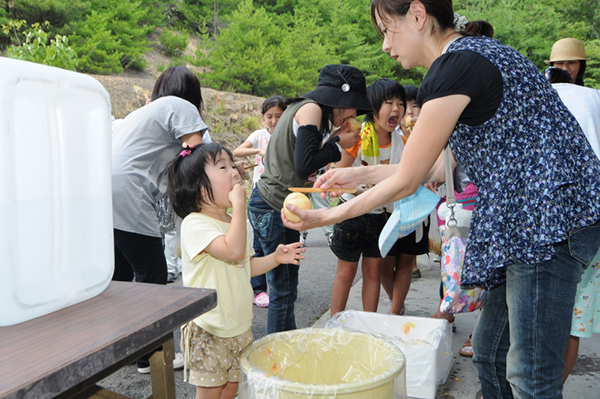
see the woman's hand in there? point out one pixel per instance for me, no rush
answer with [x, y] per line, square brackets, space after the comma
[309, 219]
[433, 186]
[338, 177]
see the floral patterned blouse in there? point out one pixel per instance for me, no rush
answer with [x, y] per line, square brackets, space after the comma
[537, 175]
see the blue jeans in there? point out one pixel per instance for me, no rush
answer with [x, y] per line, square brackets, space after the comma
[259, 283]
[521, 336]
[282, 280]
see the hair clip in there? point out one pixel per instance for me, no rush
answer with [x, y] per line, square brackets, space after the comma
[460, 22]
[187, 149]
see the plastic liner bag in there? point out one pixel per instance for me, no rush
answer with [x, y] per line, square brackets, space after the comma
[320, 363]
[425, 342]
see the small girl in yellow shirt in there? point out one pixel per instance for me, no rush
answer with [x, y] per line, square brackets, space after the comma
[217, 253]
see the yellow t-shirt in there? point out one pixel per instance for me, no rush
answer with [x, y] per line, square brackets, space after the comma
[233, 313]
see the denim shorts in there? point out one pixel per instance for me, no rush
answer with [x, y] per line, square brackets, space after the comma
[356, 236]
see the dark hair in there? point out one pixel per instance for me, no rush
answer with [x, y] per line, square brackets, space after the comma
[478, 28]
[273, 101]
[411, 92]
[579, 77]
[188, 181]
[326, 113]
[557, 75]
[382, 90]
[440, 10]
[178, 81]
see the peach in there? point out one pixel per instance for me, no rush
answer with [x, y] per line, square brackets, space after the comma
[298, 199]
[353, 123]
[409, 122]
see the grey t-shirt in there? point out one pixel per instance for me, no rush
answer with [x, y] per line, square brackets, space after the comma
[142, 145]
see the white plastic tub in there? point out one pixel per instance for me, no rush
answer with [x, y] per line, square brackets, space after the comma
[426, 343]
[56, 245]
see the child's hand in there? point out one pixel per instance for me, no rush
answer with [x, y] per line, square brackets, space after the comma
[237, 196]
[347, 136]
[290, 253]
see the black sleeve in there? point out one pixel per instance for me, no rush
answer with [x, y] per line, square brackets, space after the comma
[309, 157]
[468, 73]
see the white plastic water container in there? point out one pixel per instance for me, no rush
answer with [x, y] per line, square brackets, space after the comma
[56, 243]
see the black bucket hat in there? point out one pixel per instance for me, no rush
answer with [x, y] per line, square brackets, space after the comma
[341, 86]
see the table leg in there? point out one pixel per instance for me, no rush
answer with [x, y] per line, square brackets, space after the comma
[161, 371]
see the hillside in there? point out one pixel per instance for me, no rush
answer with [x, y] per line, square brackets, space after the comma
[230, 116]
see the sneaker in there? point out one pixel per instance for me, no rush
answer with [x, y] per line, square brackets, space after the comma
[416, 273]
[144, 370]
[171, 277]
[178, 361]
[177, 364]
[261, 300]
[303, 235]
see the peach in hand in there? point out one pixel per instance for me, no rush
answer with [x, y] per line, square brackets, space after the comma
[353, 123]
[298, 199]
[409, 123]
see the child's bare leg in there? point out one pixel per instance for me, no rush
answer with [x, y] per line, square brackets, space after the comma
[342, 282]
[387, 271]
[209, 392]
[570, 355]
[229, 390]
[371, 286]
[402, 280]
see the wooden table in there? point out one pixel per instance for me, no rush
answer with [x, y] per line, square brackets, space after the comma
[64, 354]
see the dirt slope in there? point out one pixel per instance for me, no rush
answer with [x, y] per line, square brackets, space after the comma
[131, 89]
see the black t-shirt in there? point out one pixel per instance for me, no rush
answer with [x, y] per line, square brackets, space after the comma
[465, 72]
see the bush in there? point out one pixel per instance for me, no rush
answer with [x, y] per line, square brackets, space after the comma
[258, 56]
[112, 37]
[38, 47]
[173, 42]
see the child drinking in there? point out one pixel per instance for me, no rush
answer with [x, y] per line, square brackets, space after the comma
[217, 253]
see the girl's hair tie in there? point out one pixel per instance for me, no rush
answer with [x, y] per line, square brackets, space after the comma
[187, 149]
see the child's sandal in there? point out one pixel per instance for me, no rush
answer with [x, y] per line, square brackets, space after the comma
[467, 348]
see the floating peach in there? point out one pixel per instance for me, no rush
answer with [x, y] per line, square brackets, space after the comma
[298, 199]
